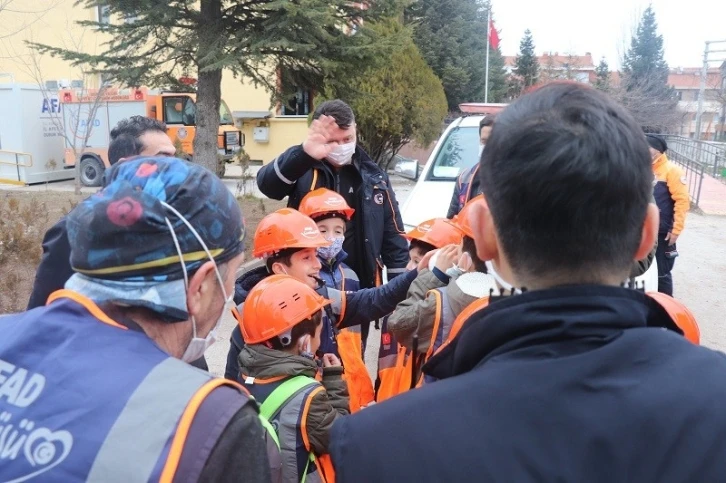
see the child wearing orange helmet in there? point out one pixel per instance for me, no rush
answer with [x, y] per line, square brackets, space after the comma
[425, 240]
[281, 322]
[331, 214]
[457, 278]
[287, 241]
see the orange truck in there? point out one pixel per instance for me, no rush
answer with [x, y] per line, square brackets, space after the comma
[176, 109]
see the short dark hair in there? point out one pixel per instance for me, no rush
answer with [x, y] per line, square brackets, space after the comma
[283, 256]
[338, 110]
[567, 176]
[125, 136]
[488, 121]
[305, 327]
[421, 245]
[469, 247]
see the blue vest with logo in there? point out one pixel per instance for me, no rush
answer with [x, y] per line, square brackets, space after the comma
[83, 398]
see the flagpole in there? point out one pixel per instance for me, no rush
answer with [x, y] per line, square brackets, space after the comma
[486, 75]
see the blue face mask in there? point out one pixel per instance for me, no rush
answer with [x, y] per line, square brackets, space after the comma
[329, 253]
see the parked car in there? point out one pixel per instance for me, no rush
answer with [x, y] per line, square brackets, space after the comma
[457, 150]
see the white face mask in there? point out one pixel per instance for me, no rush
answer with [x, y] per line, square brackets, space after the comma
[481, 150]
[341, 154]
[198, 346]
[502, 283]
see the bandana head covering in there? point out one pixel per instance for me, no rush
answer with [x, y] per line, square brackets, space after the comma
[122, 233]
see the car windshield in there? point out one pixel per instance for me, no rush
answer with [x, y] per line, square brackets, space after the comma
[459, 152]
[225, 117]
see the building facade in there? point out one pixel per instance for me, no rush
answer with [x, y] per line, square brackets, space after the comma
[687, 83]
[554, 66]
[269, 128]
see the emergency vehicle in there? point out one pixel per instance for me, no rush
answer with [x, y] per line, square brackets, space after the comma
[177, 110]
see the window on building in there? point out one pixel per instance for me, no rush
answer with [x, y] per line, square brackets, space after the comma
[295, 100]
[298, 103]
[104, 14]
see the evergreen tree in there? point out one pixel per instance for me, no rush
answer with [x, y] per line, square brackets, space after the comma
[154, 43]
[527, 67]
[452, 37]
[602, 72]
[644, 66]
[397, 100]
[497, 76]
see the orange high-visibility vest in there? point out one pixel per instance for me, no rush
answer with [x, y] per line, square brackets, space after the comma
[395, 371]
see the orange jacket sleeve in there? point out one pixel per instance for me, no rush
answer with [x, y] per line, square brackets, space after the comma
[678, 188]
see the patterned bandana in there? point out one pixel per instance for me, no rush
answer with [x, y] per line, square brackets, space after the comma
[122, 233]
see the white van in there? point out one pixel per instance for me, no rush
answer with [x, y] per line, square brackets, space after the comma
[457, 150]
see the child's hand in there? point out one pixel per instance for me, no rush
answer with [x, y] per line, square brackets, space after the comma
[447, 257]
[331, 360]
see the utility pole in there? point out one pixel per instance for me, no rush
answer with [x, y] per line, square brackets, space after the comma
[489, 33]
[704, 75]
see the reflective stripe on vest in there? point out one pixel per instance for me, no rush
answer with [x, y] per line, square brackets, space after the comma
[156, 406]
[443, 321]
[286, 407]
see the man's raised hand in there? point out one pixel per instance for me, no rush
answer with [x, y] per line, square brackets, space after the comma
[317, 145]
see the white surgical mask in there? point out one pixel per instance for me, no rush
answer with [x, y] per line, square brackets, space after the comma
[432, 261]
[198, 346]
[341, 154]
[502, 283]
[481, 150]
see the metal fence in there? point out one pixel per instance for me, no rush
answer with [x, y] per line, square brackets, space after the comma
[711, 154]
[688, 154]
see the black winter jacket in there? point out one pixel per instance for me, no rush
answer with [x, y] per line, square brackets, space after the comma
[294, 174]
[572, 384]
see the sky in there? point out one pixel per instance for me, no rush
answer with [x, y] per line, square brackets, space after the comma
[604, 27]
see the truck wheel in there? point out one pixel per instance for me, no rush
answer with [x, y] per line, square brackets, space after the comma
[91, 171]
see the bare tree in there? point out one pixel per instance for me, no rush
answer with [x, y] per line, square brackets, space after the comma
[654, 113]
[75, 130]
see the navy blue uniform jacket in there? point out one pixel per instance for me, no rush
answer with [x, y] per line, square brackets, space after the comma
[574, 384]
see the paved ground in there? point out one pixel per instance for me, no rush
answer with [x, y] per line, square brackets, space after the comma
[713, 196]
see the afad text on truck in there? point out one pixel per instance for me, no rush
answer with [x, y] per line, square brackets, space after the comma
[176, 109]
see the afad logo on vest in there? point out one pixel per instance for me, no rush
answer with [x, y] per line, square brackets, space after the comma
[31, 449]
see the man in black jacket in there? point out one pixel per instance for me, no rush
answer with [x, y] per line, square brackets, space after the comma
[576, 379]
[330, 158]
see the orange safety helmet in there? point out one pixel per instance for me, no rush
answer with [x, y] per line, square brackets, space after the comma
[462, 219]
[323, 201]
[438, 232]
[286, 228]
[681, 316]
[275, 305]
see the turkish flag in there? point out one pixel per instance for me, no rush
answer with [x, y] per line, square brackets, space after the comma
[493, 35]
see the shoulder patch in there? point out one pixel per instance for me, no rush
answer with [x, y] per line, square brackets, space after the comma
[684, 180]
